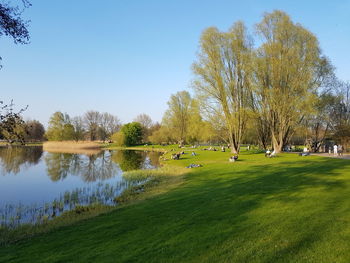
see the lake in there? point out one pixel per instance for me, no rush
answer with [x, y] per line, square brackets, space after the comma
[36, 185]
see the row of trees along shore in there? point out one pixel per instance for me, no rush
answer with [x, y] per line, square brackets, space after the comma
[273, 88]
[94, 125]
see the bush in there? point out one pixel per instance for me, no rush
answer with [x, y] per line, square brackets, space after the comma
[118, 138]
[132, 133]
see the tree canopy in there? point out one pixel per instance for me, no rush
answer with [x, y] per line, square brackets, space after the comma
[132, 133]
[223, 82]
[12, 24]
[234, 80]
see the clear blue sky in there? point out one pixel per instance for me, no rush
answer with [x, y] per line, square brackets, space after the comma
[126, 56]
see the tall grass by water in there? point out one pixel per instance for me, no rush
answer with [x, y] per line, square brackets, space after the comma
[12, 216]
[80, 147]
[20, 221]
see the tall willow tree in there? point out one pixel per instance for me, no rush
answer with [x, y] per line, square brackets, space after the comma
[60, 127]
[177, 117]
[223, 78]
[286, 69]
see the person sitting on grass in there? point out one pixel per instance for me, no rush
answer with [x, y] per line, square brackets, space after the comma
[233, 158]
[305, 152]
[270, 154]
[176, 156]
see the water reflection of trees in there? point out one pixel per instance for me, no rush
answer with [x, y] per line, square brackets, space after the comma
[90, 167]
[154, 158]
[134, 160]
[129, 160]
[59, 165]
[100, 166]
[12, 159]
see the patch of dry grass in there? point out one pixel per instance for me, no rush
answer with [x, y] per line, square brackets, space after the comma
[81, 147]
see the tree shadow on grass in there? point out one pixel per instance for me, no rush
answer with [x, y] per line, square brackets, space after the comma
[250, 188]
[216, 209]
[219, 214]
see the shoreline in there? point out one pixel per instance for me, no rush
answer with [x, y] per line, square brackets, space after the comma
[161, 180]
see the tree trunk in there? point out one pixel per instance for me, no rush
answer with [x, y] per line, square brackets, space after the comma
[233, 144]
[277, 143]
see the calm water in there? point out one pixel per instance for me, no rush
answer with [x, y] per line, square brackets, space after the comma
[36, 184]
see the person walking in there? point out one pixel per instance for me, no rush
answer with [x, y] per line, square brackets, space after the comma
[335, 150]
[340, 150]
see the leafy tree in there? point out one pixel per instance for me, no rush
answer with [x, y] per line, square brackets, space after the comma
[177, 117]
[60, 127]
[342, 135]
[223, 77]
[68, 132]
[286, 73]
[78, 126]
[320, 122]
[108, 125]
[263, 128]
[12, 126]
[146, 124]
[13, 130]
[340, 114]
[35, 130]
[132, 133]
[161, 135]
[11, 23]
[152, 130]
[198, 130]
[118, 138]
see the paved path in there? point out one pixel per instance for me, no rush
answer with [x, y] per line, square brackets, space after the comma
[344, 156]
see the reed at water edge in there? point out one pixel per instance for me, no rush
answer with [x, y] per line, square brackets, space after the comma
[72, 147]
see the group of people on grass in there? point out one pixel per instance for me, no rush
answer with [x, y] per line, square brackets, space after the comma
[337, 150]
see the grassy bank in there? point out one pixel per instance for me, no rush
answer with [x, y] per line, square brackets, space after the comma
[26, 231]
[283, 209]
[156, 181]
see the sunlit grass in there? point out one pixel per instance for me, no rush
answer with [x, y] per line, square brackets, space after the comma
[282, 209]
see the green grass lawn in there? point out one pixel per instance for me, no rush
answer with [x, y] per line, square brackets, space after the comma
[283, 209]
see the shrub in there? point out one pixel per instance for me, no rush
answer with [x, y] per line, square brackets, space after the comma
[132, 133]
[118, 138]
